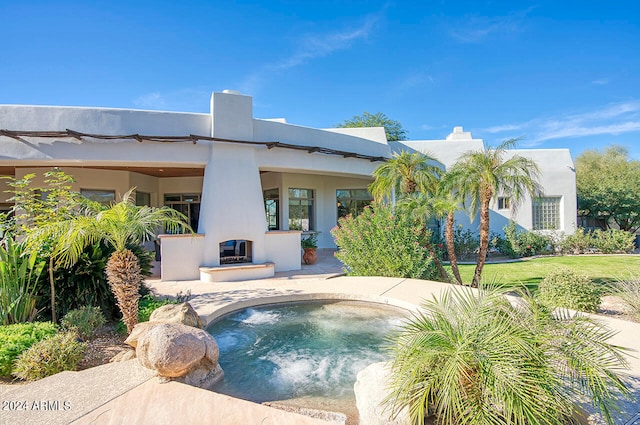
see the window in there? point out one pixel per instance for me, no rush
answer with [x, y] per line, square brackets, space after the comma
[504, 203]
[352, 201]
[272, 208]
[143, 199]
[301, 209]
[546, 213]
[105, 197]
[188, 204]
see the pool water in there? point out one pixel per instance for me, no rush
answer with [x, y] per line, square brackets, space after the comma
[290, 351]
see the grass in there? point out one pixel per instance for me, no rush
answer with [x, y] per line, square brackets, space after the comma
[600, 268]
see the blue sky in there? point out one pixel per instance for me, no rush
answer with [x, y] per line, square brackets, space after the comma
[559, 74]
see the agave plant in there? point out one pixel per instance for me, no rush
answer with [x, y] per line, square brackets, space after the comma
[474, 358]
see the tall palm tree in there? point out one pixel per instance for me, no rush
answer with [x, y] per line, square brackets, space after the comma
[403, 174]
[118, 225]
[481, 175]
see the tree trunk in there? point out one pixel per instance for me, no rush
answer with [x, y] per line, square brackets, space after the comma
[52, 283]
[124, 277]
[484, 237]
[436, 259]
[451, 249]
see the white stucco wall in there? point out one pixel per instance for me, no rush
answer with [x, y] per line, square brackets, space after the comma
[557, 176]
[232, 204]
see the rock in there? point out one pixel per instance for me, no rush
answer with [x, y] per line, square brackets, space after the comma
[173, 349]
[203, 376]
[123, 356]
[170, 313]
[371, 389]
[136, 332]
[177, 313]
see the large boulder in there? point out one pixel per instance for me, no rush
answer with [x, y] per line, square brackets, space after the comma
[371, 389]
[177, 313]
[203, 375]
[173, 349]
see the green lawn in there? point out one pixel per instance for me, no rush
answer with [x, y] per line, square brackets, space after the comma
[600, 268]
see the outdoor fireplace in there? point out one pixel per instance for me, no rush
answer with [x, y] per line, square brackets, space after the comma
[235, 251]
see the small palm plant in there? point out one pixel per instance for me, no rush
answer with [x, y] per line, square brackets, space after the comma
[118, 225]
[474, 358]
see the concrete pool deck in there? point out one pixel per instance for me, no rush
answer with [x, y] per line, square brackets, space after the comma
[125, 393]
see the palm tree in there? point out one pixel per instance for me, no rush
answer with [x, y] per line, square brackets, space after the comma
[403, 174]
[410, 176]
[476, 359]
[118, 225]
[445, 204]
[481, 175]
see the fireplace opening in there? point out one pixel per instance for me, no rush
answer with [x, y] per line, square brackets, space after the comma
[235, 251]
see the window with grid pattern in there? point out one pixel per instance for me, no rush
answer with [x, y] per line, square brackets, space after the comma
[546, 213]
[301, 209]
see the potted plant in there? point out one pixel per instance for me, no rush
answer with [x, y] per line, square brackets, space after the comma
[310, 245]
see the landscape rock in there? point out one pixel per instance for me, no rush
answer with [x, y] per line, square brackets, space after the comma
[173, 349]
[136, 332]
[371, 389]
[177, 313]
[123, 356]
[203, 376]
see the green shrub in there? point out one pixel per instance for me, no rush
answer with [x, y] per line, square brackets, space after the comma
[84, 321]
[52, 355]
[566, 288]
[614, 241]
[19, 276]
[85, 282]
[465, 241]
[525, 243]
[381, 242]
[19, 337]
[577, 243]
[146, 305]
[606, 241]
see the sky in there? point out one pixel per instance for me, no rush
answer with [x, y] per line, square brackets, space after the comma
[556, 74]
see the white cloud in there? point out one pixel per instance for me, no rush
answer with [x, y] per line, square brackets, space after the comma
[600, 81]
[414, 80]
[150, 101]
[187, 99]
[476, 29]
[312, 47]
[613, 119]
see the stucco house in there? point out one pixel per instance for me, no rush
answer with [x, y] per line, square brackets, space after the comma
[249, 186]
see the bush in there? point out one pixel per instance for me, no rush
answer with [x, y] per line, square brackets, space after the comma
[614, 241]
[18, 338]
[85, 282]
[606, 241]
[566, 288]
[52, 355]
[84, 321]
[525, 243]
[18, 283]
[381, 242]
[146, 305]
[466, 242]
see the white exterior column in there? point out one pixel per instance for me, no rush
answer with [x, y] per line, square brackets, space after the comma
[232, 204]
